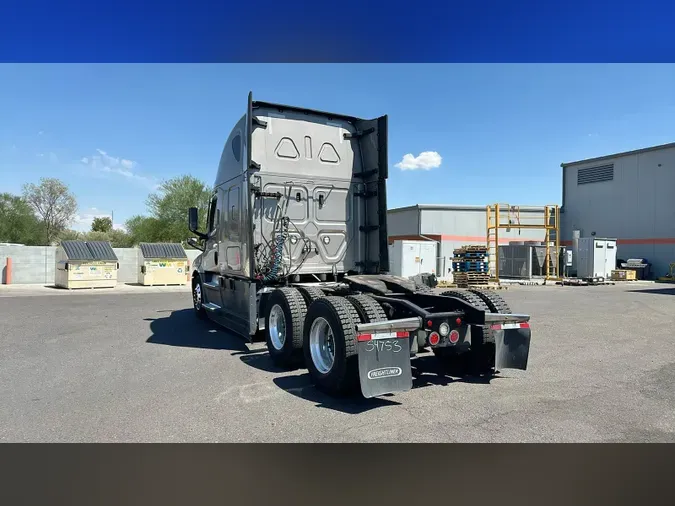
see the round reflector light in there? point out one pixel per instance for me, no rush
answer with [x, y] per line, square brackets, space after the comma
[444, 329]
[434, 339]
[454, 337]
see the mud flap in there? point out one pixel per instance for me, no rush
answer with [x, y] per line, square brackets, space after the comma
[512, 348]
[384, 364]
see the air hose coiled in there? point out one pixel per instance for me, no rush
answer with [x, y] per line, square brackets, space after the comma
[277, 256]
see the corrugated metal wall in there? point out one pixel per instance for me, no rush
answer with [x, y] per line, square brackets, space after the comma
[402, 222]
[636, 206]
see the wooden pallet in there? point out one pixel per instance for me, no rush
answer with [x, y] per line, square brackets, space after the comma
[470, 249]
[468, 279]
[467, 255]
[478, 276]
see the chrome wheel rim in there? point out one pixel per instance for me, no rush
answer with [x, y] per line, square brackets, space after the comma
[322, 345]
[277, 326]
[197, 297]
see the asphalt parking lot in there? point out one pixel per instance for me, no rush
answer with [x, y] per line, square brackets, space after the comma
[138, 367]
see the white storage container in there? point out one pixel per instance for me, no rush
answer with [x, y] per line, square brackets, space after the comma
[597, 257]
[409, 258]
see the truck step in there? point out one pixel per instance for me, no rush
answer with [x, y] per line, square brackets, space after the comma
[210, 306]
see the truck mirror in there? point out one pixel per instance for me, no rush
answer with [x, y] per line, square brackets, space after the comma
[193, 219]
[195, 243]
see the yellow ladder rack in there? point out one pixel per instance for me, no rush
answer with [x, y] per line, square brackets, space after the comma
[496, 221]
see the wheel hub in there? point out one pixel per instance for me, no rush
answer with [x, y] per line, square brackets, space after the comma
[277, 326]
[322, 345]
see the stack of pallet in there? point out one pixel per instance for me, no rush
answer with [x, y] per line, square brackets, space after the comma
[470, 266]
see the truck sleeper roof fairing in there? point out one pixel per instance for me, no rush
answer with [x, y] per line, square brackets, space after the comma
[257, 104]
[382, 126]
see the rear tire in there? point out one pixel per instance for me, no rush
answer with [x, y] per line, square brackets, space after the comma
[481, 355]
[369, 309]
[284, 319]
[310, 293]
[330, 345]
[493, 301]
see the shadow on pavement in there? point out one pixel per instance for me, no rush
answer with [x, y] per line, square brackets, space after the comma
[260, 359]
[301, 386]
[656, 291]
[182, 328]
[428, 371]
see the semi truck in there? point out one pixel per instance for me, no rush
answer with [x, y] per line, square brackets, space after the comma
[294, 250]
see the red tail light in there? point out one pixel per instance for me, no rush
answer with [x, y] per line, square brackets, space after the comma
[434, 339]
[454, 337]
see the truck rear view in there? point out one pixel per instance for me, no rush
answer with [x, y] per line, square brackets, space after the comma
[296, 252]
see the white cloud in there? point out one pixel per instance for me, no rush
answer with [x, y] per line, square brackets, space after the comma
[426, 160]
[103, 162]
[84, 218]
[40, 132]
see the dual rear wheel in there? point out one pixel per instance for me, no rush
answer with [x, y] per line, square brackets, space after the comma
[321, 331]
[307, 326]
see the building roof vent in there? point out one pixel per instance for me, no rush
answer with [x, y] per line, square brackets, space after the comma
[595, 174]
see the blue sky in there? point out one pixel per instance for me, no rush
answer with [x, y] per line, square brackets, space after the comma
[111, 132]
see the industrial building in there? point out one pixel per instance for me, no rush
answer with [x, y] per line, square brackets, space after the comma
[453, 226]
[627, 196]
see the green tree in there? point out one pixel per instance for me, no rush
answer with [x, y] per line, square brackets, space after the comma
[18, 223]
[70, 235]
[94, 235]
[54, 204]
[102, 224]
[169, 211]
[169, 206]
[147, 229]
[120, 239]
